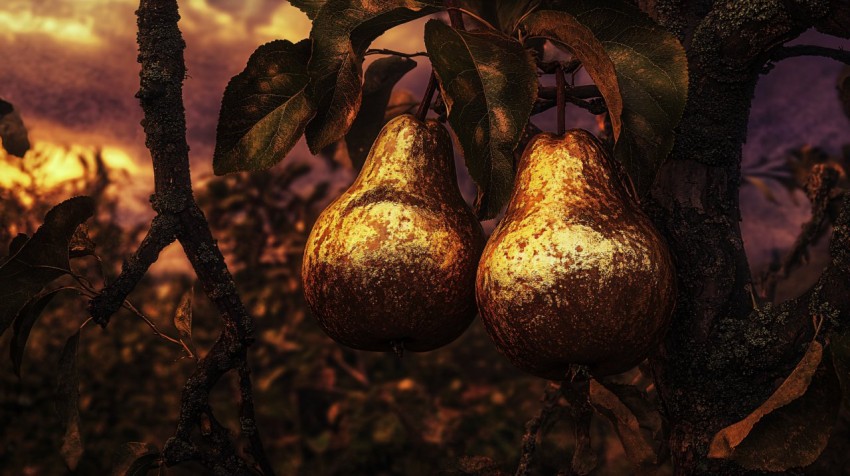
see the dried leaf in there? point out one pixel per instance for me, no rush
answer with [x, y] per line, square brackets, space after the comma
[135, 459]
[183, 320]
[380, 78]
[489, 84]
[13, 132]
[636, 443]
[43, 258]
[67, 402]
[342, 31]
[23, 324]
[640, 68]
[81, 245]
[792, 427]
[264, 109]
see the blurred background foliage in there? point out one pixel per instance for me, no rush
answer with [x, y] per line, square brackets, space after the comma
[322, 409]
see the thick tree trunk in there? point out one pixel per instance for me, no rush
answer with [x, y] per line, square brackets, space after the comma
[709, 373]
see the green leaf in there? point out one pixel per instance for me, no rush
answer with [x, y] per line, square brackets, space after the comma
[13, 132]
[23, 325]
[489, 85]
[640, 69]
[791, 428]
[342, 31]
[67, 402]
[310, 7]
[378, 83]
[264, 109]
[135, 459]
[43, 258]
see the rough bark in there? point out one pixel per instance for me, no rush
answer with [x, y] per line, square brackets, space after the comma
[179, 217]
[710, 373]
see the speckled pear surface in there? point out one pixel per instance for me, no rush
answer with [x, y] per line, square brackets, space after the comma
[575, 273]
[393, 259]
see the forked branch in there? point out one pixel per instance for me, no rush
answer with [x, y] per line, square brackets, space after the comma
[179, 217]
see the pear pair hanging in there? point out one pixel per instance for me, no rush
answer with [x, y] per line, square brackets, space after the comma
[574, 273]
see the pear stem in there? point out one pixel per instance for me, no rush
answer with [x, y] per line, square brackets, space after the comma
[425, 105]
[456, 19]
[561, 99]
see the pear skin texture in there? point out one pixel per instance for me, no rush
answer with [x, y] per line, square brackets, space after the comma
[574, 273]
[393, 259]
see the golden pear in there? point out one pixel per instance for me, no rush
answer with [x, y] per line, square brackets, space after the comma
[391, 263]
[575, 273]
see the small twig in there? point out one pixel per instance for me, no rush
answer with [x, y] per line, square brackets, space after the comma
[425, 105]
[384, 51]
[532, 427]
[561, 100]
[589, 91]
[456, 17]
[551, 67]
[248, 422]
[161, 234]
[785, 52]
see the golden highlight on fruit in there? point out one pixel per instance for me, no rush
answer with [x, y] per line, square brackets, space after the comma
[575, 273]
[392, 261]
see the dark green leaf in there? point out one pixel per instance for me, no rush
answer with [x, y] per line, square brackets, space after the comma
[792, 427]
[41, 259]
[135, 459]
[510, 12]
[17, 243]
[342, 31]
[67, 402]
[639, 67]
[489, 85]
[24, 323]
[264, 109]
[310, 7]
[379, 80]
[183, 320]
[13, 133]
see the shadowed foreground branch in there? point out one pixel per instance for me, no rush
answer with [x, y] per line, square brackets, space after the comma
[179, 218]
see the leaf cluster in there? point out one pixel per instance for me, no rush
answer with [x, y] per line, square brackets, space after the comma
[488, 74]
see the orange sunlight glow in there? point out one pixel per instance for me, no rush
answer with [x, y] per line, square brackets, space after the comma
[79, 31]
[50, 166]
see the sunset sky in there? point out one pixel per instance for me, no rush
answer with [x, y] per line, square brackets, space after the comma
[69, 66]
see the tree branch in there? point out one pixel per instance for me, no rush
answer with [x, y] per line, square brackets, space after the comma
[178, 216]
[162, 232]
[785, 52]
[532, 427]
